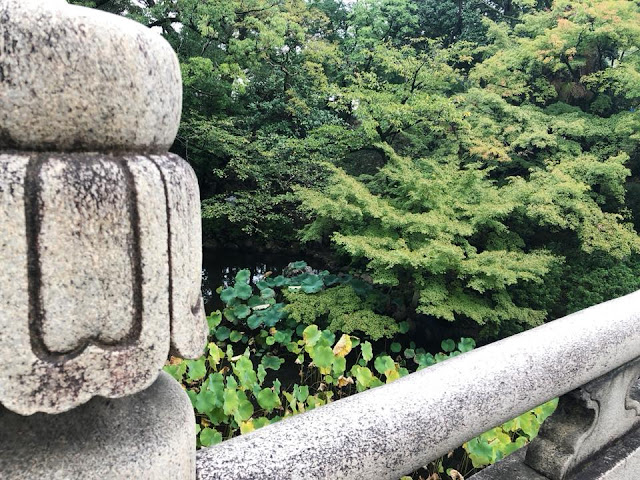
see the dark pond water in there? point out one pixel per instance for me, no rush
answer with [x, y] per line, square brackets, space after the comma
[219, 268]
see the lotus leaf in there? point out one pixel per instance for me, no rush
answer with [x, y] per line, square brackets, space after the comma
[209, 436]
[272, 362]
[268, 399]
[197, 369]
[367, 351]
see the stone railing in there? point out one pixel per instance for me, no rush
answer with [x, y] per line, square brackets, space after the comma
[589, 358]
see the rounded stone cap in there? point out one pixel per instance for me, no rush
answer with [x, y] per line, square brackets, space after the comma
[77, 79]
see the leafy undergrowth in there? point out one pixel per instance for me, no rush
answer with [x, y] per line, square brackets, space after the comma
[303, 339]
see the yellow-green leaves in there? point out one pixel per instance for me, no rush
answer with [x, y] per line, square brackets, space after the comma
[253, 424]
[215, 354]
[243, 369]
[196, 369]
[501, 441]
[339, 366]
[344, 307]
[424, 227]
[364, 377]
[343, 347]
[367, 351]
[268, 399]
[176, 368]
[209, 436]
[245, 409]
[384, 364]
[214, 319]
[322, 357]
[490, 447]
[311, 335]
[228, 386]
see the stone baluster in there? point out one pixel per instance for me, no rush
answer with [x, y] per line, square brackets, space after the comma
[579, 440]
[100, 249]
[594, 434]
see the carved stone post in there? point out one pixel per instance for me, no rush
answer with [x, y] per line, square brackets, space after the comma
[593, 435]
[576, 440]
[100, 249]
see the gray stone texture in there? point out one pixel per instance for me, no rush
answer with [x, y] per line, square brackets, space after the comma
[85, 241]
[510, 468]
[76, 79]
[586, 421]
[99, 247]
[393, 430]
[86, 287]
[619, 461]
[189, 327]
[150, 435]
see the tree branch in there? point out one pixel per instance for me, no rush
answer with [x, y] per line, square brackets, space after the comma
[163, 21]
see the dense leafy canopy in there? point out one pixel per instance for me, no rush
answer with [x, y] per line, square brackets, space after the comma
[478, 159]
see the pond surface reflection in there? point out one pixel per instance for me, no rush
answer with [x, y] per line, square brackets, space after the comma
[219, 268]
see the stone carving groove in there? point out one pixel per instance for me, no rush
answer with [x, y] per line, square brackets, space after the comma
[185, 255]
[632, 401]
[120, 278]
[587, 421]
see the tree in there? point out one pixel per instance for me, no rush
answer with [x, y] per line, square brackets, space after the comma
[477, 158]
[436, 230]
[536, 176]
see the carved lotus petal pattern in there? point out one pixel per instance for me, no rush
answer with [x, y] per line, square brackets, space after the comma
[97, 274]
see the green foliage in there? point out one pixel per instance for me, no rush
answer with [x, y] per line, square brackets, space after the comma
[501, 441]
[485, 171]
[340, 309]
[583, 53]
[461, 153]
[230, 386]
[450, 349]
[437, 228]
[599, 279]
[240, 386]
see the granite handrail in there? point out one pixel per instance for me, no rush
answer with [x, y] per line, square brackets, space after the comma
[397, 428]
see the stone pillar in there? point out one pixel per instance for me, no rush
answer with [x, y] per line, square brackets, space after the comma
[100, 249]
